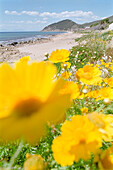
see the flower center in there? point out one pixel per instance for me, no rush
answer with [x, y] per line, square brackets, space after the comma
[87, 76]
[82, 141]
[27, 107]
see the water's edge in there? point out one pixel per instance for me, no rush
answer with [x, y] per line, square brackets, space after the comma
[17, 37]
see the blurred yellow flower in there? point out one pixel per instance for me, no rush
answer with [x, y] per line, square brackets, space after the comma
[111, 67]
[105, 161]
[29, 97]
[93, 94]
[34, 162]
[89, 75]
[66, 65]
[109, 81]
[66, 74]
[106, 93]
[79, 138]
[102, 62]
[97, 65]
[59, 56]
[84, 110]
[25, 59]
[72, 88]
[106, 65]
[104, 123]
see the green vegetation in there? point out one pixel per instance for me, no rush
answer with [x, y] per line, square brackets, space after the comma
[94, 25]
[105, 21]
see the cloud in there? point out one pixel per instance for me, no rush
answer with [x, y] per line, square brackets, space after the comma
[67, 14]
[17, 22]
[45, 18]
[36, 22]
[12, 12]
[76, 15]
[43, 22]
[28, 22]
[103, 17]
[32, 13]
[64, 14]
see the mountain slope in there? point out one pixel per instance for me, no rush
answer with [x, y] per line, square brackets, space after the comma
[69, 25]
[64, 25]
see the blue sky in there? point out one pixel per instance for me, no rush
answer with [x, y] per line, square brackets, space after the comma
[34, 15]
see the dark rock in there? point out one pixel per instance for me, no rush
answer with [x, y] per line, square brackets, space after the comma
[14, 43]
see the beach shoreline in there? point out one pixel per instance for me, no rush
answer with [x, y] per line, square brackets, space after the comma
[37, 48]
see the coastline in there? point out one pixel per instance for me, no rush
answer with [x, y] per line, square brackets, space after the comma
[38, 47]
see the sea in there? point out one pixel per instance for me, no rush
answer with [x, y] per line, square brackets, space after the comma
[9, 37]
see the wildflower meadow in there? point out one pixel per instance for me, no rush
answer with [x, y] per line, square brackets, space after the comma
[58, 114]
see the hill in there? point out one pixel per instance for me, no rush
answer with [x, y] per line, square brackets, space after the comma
[69, 25]
[98, 21]
[64, 25]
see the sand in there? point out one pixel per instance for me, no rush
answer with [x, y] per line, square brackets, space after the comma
[37, 49]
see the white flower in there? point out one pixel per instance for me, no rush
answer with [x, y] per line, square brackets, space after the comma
[104, 72]
[105, 58]
[84, 90]
[106, 101]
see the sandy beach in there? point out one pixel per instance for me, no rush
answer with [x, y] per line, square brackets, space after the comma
[36, 49]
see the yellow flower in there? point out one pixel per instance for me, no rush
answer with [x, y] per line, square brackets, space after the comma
[34, 162]
[72, 88]
[84, 110]
[93, 94]
[106, 93]
[111, 67]
[105, 160]
[29, 97]
[25, 59]
[102, 62]
[104, 123]
[106, 65]
[89, 75]
[109, 81]
[66, 74]
[59, 56]
[97, 65]
[66, 65]
[79, 138]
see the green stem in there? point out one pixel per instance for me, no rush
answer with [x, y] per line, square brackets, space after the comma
[100, 108]
[81, 88]
[15, 155]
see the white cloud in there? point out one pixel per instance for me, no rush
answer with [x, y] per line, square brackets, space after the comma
[45, 18]
[43, 22]
[17, 22]
[32, 13]
[64, 14]
[28, 22]
[36, 22]
[76, 15]
[67, 14]
[103, 17]
[12, 12]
